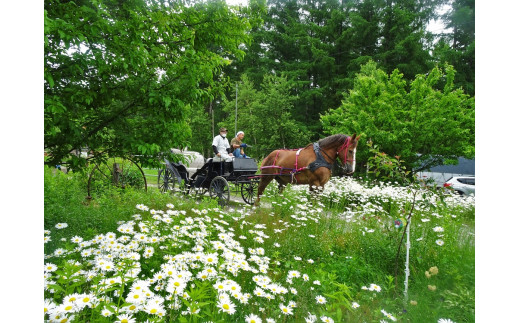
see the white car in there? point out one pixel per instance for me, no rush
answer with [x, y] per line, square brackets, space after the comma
[194, 159]
[464, 185]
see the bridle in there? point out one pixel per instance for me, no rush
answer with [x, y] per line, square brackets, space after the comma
[344, 147]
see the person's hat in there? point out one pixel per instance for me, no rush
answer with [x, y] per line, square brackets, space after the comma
[223, 129]
[238, 133]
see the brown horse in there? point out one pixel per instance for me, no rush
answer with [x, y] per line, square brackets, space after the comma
[311, 165]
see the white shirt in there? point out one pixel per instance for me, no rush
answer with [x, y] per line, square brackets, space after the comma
[222, 144]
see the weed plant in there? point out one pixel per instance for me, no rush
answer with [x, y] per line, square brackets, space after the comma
[131, 256]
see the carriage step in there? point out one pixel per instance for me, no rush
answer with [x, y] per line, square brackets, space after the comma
[226, 174]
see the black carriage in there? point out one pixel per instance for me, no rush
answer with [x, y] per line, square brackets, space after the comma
[214, 178]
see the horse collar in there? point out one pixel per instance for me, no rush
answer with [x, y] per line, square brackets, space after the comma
[320, 160]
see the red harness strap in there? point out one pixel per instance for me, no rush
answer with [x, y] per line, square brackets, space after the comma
[344, 147]
[296, 169]
[293, 172]
[277, 153]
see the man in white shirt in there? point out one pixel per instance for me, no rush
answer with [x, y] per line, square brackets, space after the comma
[221, 147]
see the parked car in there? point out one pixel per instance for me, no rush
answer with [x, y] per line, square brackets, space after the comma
[464, 185]
[194, 160]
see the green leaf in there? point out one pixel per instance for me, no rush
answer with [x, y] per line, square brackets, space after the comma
[49, 79]
[167, 100]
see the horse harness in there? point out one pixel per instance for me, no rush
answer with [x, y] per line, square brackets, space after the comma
[313, 166]
[320, 160]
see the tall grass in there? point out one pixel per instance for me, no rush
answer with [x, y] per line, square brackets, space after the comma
[340, 246]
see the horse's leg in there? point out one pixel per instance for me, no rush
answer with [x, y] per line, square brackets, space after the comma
[281, 184]
[317, 184]
[264, 181]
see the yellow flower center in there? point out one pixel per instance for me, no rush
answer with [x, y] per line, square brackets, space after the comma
[226, 306]
[86, 299]
[45, 310]
[153, 311]
[132, 307]
[136, 296]
[285, 310]
[64, 320]
[124, 321]
[177, 284]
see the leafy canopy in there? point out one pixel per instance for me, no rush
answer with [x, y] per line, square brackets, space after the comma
[265, 115]
[121, 76]
[425, 123]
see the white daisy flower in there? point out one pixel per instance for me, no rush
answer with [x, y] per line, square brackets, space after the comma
[320, 299]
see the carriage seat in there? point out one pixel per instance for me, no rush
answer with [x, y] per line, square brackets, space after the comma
[245, 165]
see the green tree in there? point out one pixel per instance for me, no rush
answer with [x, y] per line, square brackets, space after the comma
[242, 110]
[265, 116]
[121, 76]
[428, 124]
[275, 124]
[457, 47]
[199, 122]
[405, 43]
[321, 44]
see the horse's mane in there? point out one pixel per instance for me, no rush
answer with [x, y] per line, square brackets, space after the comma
[332, 141]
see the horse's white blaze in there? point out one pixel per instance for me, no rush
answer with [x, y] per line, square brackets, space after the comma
[354, 160]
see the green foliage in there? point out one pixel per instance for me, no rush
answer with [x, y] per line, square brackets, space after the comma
[457, 47]
[200, 124]
[424, 125]
[65, 201]
[265, 116]
[121, 78]
[320, 45]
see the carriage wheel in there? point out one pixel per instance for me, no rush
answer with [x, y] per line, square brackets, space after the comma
[166, 180]
[249, 190]
[118, 172]
[219, 189]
